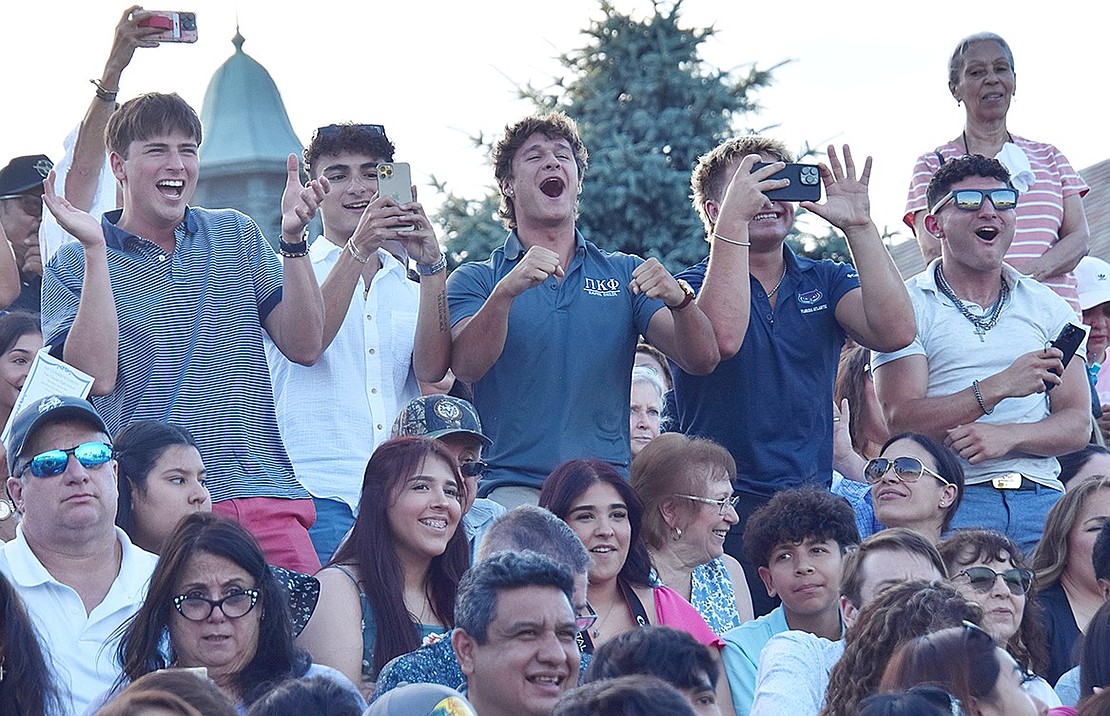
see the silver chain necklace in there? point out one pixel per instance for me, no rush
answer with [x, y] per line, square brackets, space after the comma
[982, 323]
[775, 290]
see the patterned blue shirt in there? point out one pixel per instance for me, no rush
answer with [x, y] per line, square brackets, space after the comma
[190, 342]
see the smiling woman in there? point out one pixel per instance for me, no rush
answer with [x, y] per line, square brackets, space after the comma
[1052, 233]
[392, 582]
[20, 339]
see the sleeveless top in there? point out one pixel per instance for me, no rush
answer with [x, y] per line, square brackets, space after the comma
[712, 595]
[370, 628]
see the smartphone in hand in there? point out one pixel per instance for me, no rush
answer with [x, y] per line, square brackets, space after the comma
[805, 182]
[174, 26]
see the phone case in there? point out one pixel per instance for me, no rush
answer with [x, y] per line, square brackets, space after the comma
[1068, 342]
[805, 182]
[395, 181]
[175, 26]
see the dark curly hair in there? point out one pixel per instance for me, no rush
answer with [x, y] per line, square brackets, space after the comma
[960, 168]
[346, 137]
[965, 547]
[896, 615]
[792, 516]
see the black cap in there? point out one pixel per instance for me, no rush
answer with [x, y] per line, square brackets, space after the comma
[48, 410]
[24, 174]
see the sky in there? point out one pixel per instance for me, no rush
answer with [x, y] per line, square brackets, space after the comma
[872, 74]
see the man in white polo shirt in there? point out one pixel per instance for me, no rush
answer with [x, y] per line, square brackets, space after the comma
[78, 574]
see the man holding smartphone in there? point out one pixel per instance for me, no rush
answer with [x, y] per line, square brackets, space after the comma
[551, 320]
[382, 331]
[979, 371]
[781, 321]
[165, 305]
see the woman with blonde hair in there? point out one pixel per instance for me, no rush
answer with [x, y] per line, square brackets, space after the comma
[686, 486]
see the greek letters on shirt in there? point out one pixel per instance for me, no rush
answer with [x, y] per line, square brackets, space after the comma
[605, 287]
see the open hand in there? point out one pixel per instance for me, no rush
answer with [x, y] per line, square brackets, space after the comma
[300, 201]
[76, 222]
[846, 202]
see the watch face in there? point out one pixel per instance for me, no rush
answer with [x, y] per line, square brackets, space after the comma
[6, 510]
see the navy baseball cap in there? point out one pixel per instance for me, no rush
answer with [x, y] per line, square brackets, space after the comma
[436, 416]
[24, 174]
[48, 410]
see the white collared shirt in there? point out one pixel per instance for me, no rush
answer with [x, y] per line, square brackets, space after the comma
[78, 646]
[334, 413]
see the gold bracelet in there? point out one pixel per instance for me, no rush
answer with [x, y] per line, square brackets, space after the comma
[727, 240]
[354, 252]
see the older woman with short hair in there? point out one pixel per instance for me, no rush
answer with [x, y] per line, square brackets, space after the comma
[1052, 234]
[646, 408]
[686, 486]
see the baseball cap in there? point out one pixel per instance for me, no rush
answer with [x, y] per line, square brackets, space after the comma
[1093, 276]
[435, 416]
[421, 700]
[48, 410]
[24, 174]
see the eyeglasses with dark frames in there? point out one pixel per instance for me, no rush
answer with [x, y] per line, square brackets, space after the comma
[906, 469]
[722, 504]
[196, 608]
[982, 579]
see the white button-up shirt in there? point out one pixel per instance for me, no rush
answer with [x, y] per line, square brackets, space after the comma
[78, 646]
[334, 413]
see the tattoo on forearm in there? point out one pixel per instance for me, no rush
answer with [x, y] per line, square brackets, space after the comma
[441, 310]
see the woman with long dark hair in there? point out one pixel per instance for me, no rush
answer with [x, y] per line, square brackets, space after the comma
[20, 339]
[214, 603]
[392, 583]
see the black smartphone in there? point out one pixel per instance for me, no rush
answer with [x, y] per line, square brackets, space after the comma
[1068, 342]
[805, 182]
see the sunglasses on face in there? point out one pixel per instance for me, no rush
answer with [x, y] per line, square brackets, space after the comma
[333, 130]
[972, 199]
[53, 462]
[197, 609]
[906, 469]
[722, 504]
[982, 579]
[473, 468]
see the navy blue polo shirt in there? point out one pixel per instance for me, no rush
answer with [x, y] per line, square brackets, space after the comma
[190, 342]
[770, 405]
[560, 388]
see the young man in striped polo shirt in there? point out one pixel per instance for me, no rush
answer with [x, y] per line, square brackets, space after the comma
[167, 310]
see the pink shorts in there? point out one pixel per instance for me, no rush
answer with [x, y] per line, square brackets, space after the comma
[280, 526]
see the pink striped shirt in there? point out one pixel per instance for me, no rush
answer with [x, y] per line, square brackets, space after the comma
[1040, 211]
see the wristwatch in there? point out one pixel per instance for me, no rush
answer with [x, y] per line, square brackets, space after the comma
[690, 295]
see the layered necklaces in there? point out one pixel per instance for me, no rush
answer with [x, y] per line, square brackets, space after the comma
[982, 323]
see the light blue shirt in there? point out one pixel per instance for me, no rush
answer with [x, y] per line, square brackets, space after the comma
[743, 645]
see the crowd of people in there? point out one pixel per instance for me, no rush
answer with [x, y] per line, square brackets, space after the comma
[334, 479]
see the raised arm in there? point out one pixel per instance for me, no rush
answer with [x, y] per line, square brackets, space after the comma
[725, 295]
[88, 152]
[296, 324]
[92, 344]
[880, 315]
[431, 353]
[479, 339]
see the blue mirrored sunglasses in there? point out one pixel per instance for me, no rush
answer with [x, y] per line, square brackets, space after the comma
[53, 462]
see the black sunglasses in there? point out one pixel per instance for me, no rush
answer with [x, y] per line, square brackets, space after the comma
[982, 579]
[972, 199]
[906, 469]
[473, 468]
